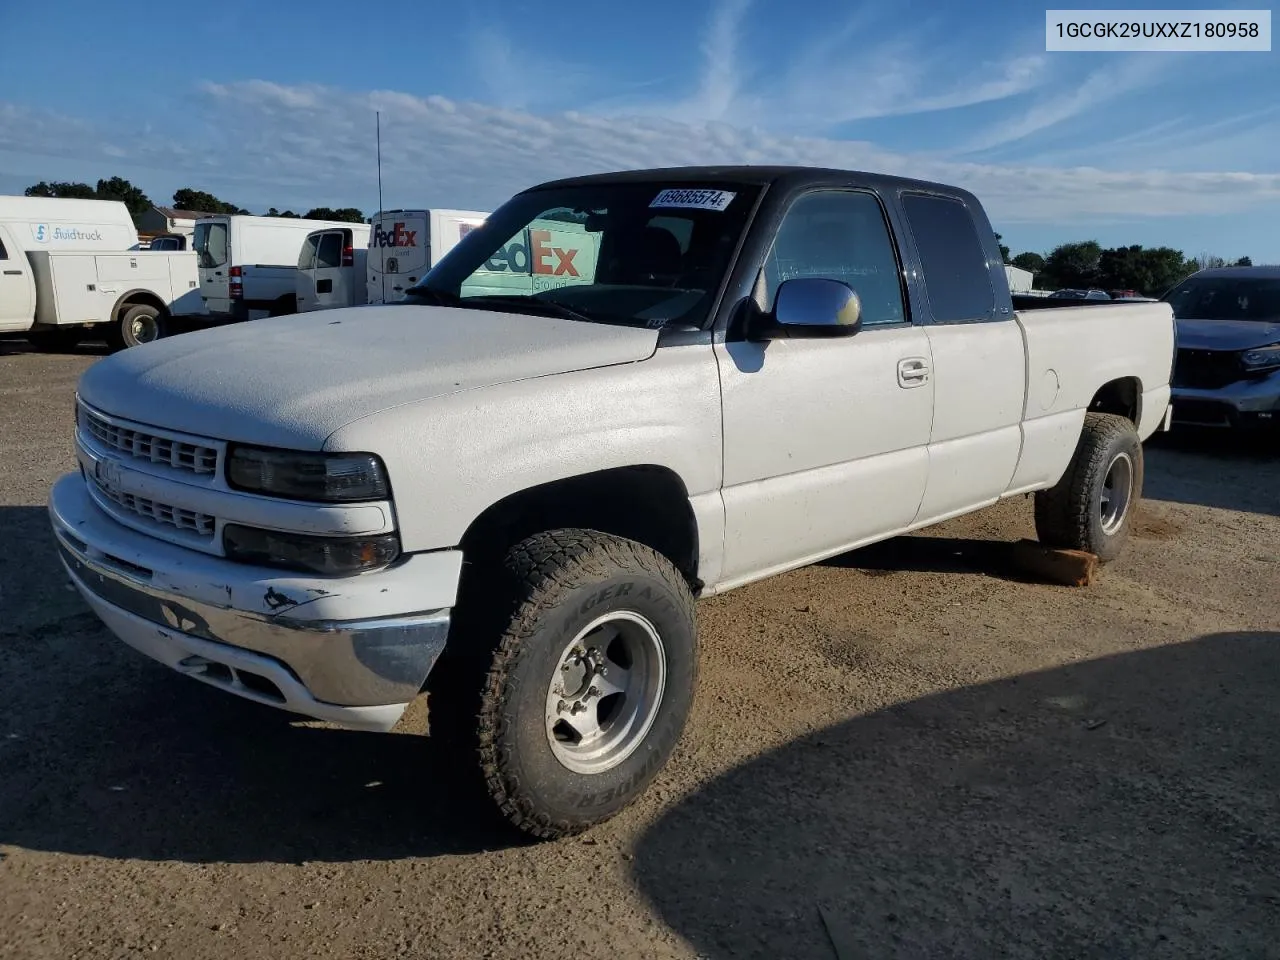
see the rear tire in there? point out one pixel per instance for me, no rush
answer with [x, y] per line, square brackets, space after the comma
[55, 339]
[139, 324]
[584, 692]
[1092, 506]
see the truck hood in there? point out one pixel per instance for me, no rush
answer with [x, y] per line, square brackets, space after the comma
[291, 381]
[1227, 334]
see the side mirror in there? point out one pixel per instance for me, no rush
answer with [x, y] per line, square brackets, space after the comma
[809, 308]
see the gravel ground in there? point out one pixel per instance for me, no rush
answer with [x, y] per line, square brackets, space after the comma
[908, 751]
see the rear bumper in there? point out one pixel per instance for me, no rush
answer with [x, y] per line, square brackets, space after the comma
[341, 656]
[1246, 403]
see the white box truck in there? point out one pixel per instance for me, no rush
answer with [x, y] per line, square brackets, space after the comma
[249, 265]
[332, 268]
[71, 268]
[405, 244]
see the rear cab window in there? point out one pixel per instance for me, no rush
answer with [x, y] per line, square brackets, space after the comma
[957, 278]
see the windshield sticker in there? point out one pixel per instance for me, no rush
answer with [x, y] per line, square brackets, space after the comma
[718, 200]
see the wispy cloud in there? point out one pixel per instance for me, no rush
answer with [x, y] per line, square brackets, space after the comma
[864, 68]
[1116, 79]
[521, 79]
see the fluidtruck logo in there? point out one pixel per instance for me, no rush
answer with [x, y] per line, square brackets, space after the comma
[43, 234]
[398, 236]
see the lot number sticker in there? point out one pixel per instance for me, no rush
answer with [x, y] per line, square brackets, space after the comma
[717, 200]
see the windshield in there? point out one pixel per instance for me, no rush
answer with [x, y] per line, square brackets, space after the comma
[647, 254]
[1226, 298]
[210, 244]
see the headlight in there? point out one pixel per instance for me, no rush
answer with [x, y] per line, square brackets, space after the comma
[294, 551]
[1264, 358]
[322, 477]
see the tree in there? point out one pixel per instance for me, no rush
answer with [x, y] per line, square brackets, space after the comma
[1004, 251]
[58, 188]
[273, 212]
[202, 202]
[1029, 261]
[1208, 261]
[343, 214]
[1243, 262]
[117, 188]
[1072, 265]
[1149, 270]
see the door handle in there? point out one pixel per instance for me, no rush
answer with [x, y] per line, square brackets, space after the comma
[913, 372]
[13, 273]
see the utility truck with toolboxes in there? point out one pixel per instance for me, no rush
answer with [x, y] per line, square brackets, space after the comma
[512, 495]
[73, 268]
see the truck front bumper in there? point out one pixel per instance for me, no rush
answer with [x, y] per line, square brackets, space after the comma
[354, 651]
[1247, 403]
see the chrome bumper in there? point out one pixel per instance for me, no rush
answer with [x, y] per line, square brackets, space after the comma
[360, 672]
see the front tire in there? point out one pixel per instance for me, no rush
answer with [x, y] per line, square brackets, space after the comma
[1091, 507]
[590, 683]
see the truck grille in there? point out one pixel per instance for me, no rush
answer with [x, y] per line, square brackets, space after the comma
[1206, 369]
[149, 445]
[200, 524]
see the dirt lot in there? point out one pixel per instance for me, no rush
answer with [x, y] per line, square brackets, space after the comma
[936, 757]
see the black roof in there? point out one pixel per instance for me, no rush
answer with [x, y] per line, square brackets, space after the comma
[786, 176]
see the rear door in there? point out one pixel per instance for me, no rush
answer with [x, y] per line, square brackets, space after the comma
[979, 360]
[399, 254]
[17, 288]
[305, 282]
[212, 243]
[331, 283]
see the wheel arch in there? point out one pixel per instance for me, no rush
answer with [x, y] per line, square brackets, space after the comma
[1122, 396]
[647, 503]
[138, 297]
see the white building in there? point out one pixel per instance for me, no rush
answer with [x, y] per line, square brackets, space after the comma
[168, 220]
[1020, 281]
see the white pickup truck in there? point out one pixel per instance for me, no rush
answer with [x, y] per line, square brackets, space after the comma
[513, 499]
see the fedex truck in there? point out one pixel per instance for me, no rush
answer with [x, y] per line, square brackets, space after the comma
[405, 244]
[74, 268]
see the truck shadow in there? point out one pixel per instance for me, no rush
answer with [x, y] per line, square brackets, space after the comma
[1120, 807]
[933, 554]
[107, 754]
[17, 344]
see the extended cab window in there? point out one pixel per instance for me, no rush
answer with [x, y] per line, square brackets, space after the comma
[839, 235]
[957, 279]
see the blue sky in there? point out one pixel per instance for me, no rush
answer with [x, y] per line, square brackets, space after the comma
[273, 105]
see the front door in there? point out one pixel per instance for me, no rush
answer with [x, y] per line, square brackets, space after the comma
[17, 287]
[825, 441]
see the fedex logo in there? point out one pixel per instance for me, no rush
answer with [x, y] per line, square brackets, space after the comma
[538, 257]
[398, 236]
